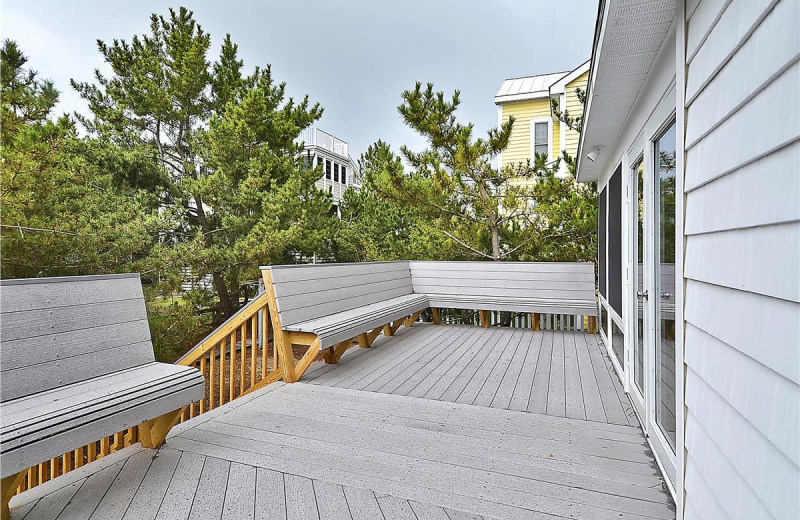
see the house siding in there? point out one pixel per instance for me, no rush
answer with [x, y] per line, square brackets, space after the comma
[575, 108]
[742, 259]
[519, 146]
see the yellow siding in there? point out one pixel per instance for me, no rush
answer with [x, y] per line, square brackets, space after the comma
[555, 146]
[574, 107]
[519, 147]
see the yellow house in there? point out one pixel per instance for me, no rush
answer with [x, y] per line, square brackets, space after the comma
[537, 129]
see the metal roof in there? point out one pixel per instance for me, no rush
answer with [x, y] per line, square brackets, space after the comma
[529, 87]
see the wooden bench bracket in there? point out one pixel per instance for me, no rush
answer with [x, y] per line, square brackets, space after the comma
[9, 487]
[153, 432]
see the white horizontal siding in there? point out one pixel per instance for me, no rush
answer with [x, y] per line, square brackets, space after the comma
[742, 260]
[774, 177]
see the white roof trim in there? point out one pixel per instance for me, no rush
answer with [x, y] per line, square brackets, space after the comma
[621, 67]
[561, 85]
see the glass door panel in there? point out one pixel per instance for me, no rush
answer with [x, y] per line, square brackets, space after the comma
[664, 278]
[639, 322]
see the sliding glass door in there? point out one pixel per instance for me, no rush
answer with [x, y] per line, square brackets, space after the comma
[664, 278]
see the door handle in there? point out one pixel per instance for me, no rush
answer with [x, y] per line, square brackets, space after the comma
[641, 294]
[665, 295]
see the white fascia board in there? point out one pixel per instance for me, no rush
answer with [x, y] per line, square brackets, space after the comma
[527, 96]
[560, 86]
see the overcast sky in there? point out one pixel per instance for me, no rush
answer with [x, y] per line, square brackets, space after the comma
[354, 57]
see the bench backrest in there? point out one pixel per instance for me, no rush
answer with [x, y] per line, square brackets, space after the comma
[58, 331]
[545, 280]
[308, 291]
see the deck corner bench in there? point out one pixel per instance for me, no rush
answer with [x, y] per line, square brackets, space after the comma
[532, 287]
[329, 306]
[78, 365]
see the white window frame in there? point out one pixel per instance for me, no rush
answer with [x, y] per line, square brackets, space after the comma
[549, 121]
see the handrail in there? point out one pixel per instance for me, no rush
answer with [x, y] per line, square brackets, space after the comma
[235, 358]
[220, 332]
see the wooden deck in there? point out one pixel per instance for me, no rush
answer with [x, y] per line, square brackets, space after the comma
[434, 423]
[559, 373]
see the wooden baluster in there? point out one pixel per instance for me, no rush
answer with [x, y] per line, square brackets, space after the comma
[66, 463]
[264, 342]
[41, 473]
[105, 446]
[78, 455]
[222, 347]
[211, 377]
[53, 468]
[205, 376]
[253, 346]
[232, 371]
[243, 356]
[31, 478]
[118, 442]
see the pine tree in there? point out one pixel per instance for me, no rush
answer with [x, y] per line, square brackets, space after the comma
[234, 192]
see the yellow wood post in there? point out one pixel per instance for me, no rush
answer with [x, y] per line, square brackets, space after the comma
[283, 346]
[592, 325]
[153, 432]
[387, 330]
[222, 372]
[253, 346]
[203, 371]
[484, 319]
[232, 367]
[212, 377]
[436, 315]
[535, 320]
[243, 357]
[9, 488]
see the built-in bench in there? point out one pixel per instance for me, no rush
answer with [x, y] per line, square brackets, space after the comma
[532, 287]
[329, 306]
[77, 365]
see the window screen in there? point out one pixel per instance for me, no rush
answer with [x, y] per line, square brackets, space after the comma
[335, 172]
[540, 138]
[344, 174]
[615, 241]
[601, 243]
[327, 169]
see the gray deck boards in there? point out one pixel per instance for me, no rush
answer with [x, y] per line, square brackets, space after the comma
[559, 373]
[429, 424]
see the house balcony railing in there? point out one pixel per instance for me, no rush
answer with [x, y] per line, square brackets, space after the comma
[313, 136]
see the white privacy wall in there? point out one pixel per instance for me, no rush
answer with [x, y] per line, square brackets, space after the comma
[742, 259]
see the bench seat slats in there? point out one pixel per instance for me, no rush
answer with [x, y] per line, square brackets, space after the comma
[71, 400]
[130, 410]
[337, 327]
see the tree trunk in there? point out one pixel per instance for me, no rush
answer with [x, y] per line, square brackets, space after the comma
[227, 305]
[495, 241]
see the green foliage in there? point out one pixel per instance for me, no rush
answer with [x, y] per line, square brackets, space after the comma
[454, 204]
[234, 194]
[65, 212]
[379, 222]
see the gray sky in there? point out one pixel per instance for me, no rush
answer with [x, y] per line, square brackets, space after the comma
[354, 57]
